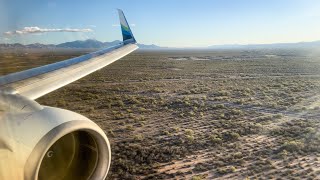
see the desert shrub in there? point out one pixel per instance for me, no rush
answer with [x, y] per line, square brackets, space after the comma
[226, 170]
[141, 109]
[231, 136]
[199, 177]
[138, 137]
[120, 103]
[310, 130]
[233, 169]
[131, 116]
[191, 113]
[201, 167]
[240, 101]
[222, 93]
[129, 110]
[108, 105]
[111, 133]
[222, 116]
[293, 129]
[264, 119]
[190, 138]
[237, 155]
[215, 140]
[118, 115]
[278, 116]
[293, 146]
[283, 154]
[90, 110]
[189, 132]
[236, 112]
[129, 127]
[61, 103]
[218, 106]
[164, 132]
[139, 119]
[176, 129]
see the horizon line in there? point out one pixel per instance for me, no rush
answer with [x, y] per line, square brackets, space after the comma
[208, 46]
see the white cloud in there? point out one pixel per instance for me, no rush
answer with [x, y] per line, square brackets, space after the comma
[37, 30]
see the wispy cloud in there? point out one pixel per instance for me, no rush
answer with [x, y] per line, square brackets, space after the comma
[37, 30]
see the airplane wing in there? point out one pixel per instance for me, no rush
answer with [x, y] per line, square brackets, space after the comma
[36, 82]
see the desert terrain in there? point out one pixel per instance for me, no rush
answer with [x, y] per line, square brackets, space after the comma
[198, 114]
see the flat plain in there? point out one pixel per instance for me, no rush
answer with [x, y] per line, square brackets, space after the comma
[198, 114]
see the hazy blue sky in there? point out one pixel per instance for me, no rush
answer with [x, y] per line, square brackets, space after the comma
[182, 23]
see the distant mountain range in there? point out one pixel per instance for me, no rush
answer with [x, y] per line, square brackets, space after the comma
[94, 44]
[87, 44]
[314, 44]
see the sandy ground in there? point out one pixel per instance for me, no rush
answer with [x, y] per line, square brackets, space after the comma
[200, 114]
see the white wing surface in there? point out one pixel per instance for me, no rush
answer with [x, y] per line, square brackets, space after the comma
[36, 82]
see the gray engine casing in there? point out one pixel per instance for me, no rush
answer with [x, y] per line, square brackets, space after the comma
[38, 142]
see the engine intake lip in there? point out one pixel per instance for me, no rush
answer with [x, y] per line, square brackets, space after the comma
[32, 166]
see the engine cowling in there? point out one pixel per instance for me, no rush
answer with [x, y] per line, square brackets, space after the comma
[39, 142]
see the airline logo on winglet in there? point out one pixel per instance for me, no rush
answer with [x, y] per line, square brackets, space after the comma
[125, 28]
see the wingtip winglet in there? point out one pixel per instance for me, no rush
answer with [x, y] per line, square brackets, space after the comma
[125, 28]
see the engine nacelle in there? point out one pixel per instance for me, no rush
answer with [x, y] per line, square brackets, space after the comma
[38, 142]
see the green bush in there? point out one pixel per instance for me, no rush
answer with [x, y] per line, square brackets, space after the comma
[293, 146]
[138, 137]
[231, 136]
[190, 138]
[226, 170]
[199, 177]
[189, 132]
[215, 140]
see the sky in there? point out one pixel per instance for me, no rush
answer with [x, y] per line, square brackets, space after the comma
[169, 23]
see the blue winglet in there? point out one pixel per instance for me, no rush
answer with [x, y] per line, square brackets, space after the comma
[125, 28]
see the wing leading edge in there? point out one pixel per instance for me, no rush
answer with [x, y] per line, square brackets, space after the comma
[36, 82]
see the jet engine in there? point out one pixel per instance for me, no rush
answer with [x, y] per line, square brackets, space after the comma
[45, 143]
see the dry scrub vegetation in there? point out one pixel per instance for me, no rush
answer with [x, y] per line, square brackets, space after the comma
[202, 114]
